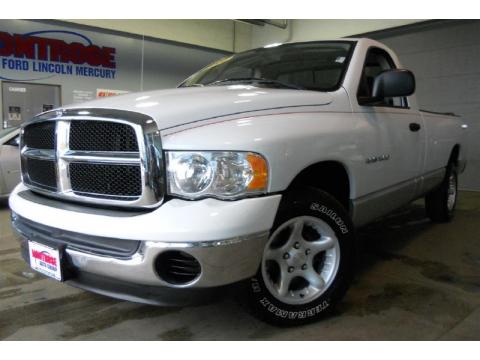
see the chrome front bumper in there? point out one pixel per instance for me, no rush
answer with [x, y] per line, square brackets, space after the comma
[222, 262]
[120, 248]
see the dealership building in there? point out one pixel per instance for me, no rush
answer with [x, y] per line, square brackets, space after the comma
[416, 279]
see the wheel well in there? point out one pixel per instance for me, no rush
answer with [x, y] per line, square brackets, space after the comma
[329, 176]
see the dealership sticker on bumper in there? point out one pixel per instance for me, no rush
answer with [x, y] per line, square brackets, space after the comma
[45, 260]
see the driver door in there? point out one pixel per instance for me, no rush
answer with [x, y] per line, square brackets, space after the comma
[394, 156]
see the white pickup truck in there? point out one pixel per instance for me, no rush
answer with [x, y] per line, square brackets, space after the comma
[255, 170]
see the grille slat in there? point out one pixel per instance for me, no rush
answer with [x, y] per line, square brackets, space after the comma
[185, 269]
[168, 268]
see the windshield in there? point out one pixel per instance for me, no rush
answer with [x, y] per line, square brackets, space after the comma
[5, 132]
[313, 66]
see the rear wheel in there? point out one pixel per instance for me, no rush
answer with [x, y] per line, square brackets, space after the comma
[307, 263]
[440, 203]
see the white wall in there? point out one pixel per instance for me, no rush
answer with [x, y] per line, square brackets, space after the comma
[304, 30]
[234, 36]
[215, 34]
[308, 30]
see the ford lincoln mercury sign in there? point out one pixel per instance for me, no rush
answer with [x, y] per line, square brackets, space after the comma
[34, 53]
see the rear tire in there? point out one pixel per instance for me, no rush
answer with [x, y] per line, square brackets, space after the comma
[440, 203]
[308, 261]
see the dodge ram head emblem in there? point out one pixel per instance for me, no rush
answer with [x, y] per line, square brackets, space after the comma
[374, 159]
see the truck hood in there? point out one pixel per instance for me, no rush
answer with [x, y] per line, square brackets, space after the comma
[174, 107]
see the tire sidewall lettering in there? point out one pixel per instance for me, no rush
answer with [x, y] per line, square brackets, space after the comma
[301, 314]
[337, 219]
[282, 313]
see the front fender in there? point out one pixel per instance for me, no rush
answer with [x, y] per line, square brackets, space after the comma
[290, 141]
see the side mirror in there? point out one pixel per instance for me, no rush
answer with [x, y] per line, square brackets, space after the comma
[393, 83]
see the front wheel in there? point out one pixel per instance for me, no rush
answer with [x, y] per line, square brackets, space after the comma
[307, 263]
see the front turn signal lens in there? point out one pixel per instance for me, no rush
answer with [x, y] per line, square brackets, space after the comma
[260, 172]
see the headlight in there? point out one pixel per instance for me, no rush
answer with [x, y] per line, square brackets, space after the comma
[221, 174]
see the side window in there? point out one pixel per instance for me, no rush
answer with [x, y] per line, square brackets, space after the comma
[377, 60]
[321, 78]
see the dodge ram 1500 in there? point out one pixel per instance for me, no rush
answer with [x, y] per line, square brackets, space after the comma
[255, 170]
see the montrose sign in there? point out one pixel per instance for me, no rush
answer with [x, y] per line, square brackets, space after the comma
[72, 54]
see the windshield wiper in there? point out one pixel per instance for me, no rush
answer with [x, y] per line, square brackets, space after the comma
[257, 80]
[191, 85]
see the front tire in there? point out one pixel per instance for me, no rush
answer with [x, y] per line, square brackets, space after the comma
[440, 203]
[308, 261]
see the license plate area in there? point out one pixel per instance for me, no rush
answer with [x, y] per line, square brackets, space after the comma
[46, 260]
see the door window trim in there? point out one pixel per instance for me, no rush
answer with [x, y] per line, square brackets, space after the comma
[393, 66]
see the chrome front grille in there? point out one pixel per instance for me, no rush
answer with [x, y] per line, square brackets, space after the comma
[100, 156]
